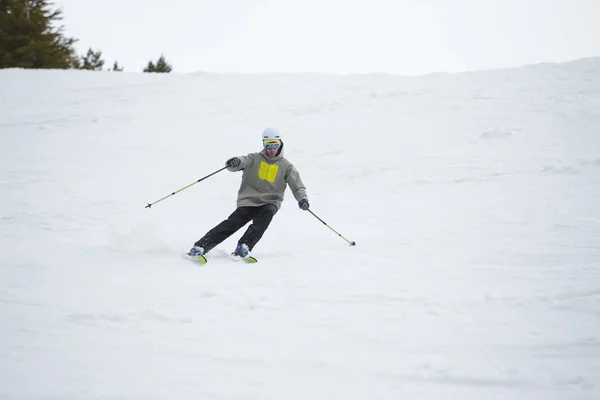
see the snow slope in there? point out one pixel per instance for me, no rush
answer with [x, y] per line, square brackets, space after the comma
[474, 200]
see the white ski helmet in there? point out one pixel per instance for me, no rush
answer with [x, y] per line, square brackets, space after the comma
[271, 134]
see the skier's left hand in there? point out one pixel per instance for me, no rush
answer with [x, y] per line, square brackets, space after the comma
[303, 204]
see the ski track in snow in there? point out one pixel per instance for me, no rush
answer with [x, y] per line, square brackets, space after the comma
[473, 199]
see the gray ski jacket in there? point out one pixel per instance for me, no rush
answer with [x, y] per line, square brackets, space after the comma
[265, 179]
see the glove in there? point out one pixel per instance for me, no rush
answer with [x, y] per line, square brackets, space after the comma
[233, 162]
[303, 204]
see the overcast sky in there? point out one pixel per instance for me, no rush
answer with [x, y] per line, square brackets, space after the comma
[338, 36]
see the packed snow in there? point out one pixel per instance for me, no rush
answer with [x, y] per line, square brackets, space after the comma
[473, 198]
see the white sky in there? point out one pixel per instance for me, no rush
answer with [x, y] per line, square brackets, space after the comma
[336, 36]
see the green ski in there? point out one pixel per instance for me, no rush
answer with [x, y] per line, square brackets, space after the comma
[204, 260]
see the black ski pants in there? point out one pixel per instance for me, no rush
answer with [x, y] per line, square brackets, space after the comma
[260, 216]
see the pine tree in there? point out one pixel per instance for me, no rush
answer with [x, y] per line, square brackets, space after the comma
[116, 67]
[161, 66]
[150, 67]
[92, 61]
[29, 37]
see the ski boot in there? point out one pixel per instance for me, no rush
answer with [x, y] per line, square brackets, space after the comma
[197, 253]
[243, 252]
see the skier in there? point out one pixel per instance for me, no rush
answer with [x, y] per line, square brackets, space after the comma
[266, 174]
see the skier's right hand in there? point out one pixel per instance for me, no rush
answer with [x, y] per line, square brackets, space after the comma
[233, 162]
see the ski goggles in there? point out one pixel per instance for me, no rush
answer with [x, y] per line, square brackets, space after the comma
[272, 144]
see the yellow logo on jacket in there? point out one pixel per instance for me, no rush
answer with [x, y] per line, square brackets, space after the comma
[267, 172]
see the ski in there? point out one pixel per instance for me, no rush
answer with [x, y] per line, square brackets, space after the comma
[249, 259]
[203, 260]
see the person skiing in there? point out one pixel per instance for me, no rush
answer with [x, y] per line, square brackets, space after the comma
[266, 175]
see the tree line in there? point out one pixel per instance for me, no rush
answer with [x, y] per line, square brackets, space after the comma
[31, 36]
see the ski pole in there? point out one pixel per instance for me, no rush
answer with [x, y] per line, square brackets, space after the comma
[183, 188]
[351, 243]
